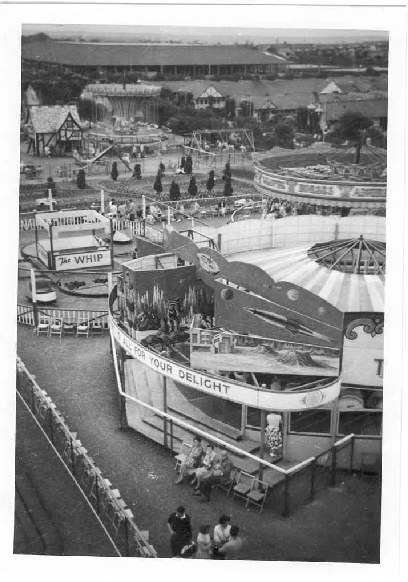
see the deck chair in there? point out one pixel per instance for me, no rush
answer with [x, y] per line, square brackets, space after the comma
[257, 495]
[68, 327]
[55, 327]
[182, 456]
[244, 484]
[227, 484]
[43, 325]
[96, 327]
[83, 328]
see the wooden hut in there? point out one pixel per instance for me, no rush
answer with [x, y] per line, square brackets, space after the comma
[56, 127]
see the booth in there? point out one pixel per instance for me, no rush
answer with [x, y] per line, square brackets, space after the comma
[75, 240]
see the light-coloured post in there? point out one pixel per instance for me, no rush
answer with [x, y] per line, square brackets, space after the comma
[144, 207]
[168, 215]
[110, 282]
[34, 297]
[192, 222]
[50, 198]
[102, 202]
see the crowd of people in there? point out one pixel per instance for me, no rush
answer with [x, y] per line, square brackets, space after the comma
[224, 544]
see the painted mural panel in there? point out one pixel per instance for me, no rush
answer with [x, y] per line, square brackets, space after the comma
[248, 300]
[162, 299]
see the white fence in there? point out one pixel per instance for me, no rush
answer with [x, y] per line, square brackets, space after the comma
[25, 314]
[135, 227]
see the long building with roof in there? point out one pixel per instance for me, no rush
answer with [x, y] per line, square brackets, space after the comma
[149, 59]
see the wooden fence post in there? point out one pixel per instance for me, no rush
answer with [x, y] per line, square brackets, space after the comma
[286, 507]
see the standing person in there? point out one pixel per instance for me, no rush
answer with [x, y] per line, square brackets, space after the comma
[134, 152]
[204, 543]
[274, 434]
[232, 549]
[131, 210]
[180, 529]
[222, 531]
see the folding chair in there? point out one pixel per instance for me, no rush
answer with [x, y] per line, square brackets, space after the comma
[43, 325]
[257, 495]
[83, 328]
[229, 483]
[68, 327]
[182, 456]
[244, 485]
[96, 327]
[55, 327]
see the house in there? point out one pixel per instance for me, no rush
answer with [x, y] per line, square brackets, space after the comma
[376, 109]
[55, 127]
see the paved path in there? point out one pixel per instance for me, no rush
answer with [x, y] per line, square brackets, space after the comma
[342, 524]
[52, 516]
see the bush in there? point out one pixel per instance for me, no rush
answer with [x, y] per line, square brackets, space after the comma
[210, 182]
[174, 191]
[157, 186]
[192, 187]
[228, 189]
[80, 180]
[114, 171]
[188, 166]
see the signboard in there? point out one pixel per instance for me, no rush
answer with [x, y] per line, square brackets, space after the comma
[97, 258]
[226, 388]
[363, 358]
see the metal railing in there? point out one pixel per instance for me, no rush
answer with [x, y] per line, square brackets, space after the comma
[305, 480]
[107, 502]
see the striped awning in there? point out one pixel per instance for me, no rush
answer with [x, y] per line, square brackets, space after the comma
[348, 292]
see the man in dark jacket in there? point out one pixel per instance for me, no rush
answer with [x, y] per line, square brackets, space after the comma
[180, 528]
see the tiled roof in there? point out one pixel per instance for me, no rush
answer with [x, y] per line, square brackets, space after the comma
[99, 54]
[371, 108]
[48, 119]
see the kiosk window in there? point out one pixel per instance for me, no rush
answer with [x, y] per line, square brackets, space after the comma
[311, 421]
[360, 423]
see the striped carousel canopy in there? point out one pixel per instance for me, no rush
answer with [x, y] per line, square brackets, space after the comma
[342, 272]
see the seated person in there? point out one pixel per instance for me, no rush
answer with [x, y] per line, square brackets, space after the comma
[221, 474]
[192, 461]
[206, 468]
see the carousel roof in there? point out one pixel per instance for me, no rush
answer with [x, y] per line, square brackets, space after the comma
[346, 290]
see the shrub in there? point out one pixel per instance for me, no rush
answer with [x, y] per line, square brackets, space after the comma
[80, 180]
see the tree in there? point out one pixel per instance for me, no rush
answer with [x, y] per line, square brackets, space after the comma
[80, 180]
[188, 166]
[157, 186]
[182, 162]
[192, 187]
[227, 172]
[352, 126]
[174, 191]
[284, 132]
[210, 182]
[228, 189]
[114, 171]
[137, 172]
[162, 169]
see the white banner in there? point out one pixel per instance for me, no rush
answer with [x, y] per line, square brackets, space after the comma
[225, 388]
[98, 258]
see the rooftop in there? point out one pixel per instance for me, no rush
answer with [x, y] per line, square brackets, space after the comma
[48, 119]
[101, 54]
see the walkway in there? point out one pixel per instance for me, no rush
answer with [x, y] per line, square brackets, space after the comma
[342, 524]
[52, 516]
